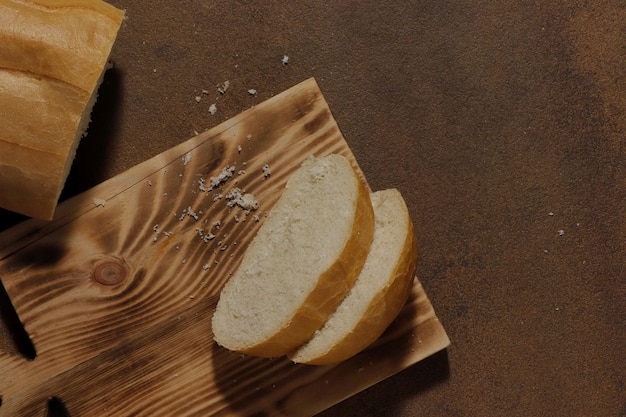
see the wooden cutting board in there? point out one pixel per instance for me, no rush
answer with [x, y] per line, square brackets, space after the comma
[116, 294]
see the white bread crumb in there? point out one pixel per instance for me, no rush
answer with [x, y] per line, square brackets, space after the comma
[192, 213]
[246, 201]
[222, 177]
[223, 88]
[99, 202]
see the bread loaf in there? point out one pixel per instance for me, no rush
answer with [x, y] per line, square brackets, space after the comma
[301, 264]
[52, 58]
[378, 294]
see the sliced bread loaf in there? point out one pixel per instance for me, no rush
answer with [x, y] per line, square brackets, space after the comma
[301, 264]
[52, 60]
[378, 294]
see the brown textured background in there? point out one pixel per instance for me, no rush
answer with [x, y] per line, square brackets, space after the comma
[502, 123]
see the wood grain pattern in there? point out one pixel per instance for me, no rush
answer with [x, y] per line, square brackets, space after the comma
[117, 298]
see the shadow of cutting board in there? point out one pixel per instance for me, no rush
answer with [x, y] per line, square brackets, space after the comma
[116, 294]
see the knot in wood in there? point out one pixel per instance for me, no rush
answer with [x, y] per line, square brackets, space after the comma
[111, 271]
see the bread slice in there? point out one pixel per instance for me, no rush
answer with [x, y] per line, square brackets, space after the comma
[53, 56]
[379, 293]
[302, 262]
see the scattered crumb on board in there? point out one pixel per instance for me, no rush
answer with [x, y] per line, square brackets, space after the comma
[240, 204]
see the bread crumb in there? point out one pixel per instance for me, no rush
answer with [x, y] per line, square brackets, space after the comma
[213, 109]
[192, 213]
[198, 98]
[223, 88]
[222, 177]
[246, 201]
[205, 237]
[252, 92]
[186, 158]
[561, 232]
[99, 202]
[201, 186]
[285, 60]
[266, 171]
